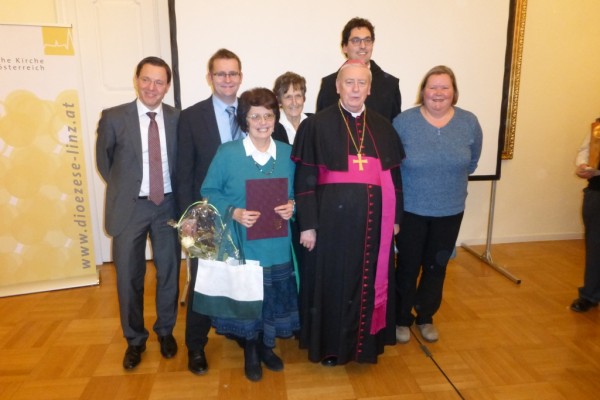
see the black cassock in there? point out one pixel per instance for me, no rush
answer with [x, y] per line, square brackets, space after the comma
[337, 277]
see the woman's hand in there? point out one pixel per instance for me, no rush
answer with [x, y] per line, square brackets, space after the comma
[245, 217]
[308, 239]
[285, 211]
[396, 229]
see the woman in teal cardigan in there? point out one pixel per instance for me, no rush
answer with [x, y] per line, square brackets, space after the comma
[258, 157]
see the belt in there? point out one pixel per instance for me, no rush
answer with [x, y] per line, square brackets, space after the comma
[146, 197]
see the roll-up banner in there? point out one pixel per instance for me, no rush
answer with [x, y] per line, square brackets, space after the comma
[45, 224]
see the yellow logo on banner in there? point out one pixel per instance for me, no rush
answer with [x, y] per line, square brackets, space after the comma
[57, 41]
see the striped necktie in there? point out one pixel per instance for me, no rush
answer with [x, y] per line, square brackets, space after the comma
[236, 132]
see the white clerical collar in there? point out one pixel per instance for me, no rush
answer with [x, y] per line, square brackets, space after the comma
[354, 114]
[260, 157]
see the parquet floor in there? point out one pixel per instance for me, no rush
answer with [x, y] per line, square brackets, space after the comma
[498, 340]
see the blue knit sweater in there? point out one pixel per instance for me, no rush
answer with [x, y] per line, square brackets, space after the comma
[438, 161]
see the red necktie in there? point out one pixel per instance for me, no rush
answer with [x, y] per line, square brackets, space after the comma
[157, 193]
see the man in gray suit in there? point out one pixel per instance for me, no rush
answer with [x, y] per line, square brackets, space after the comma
[202, 128]
[136, 208]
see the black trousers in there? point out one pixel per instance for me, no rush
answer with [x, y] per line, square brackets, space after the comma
[591, 221]
[425, 245]
[197, 325]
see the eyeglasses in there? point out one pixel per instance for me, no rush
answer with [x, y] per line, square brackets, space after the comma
[223, 75]
[268, 117]
[357, 41]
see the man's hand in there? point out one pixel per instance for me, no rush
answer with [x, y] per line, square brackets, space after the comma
[308, 239]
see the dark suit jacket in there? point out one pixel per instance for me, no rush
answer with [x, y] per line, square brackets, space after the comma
[280, 134]
[119, 159]
[384, 98]
[199, 139]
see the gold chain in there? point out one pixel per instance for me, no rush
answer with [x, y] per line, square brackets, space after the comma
[362, 139]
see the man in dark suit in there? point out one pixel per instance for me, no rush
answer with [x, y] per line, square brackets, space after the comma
[136, 152]
[358, 39]
[202, 128]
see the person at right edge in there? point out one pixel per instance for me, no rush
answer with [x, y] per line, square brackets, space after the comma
[442, 143]
[358, 40]
[589, 294]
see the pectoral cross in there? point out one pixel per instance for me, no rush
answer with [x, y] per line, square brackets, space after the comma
[360, 162]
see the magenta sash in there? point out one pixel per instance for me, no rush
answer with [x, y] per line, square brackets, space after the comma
[372, 174]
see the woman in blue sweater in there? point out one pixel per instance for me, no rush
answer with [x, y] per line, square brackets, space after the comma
[442, 143]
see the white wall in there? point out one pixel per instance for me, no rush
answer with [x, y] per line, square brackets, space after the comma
[411, 38]
[539, 196]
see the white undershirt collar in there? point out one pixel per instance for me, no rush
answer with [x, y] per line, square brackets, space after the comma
[260, 157]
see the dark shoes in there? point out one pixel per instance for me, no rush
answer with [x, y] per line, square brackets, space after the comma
[256, 352]
[252, 368]
[168, 346]
[133, 356]
[270, 359]
[329, 361]
[582, 305]
[197, 362]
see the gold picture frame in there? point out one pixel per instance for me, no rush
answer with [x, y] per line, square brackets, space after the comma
[512, 78]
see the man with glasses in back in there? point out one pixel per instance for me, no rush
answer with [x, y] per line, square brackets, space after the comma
[358, 38]
[202, 128]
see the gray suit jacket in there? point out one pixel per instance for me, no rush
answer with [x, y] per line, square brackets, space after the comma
[119, 160]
